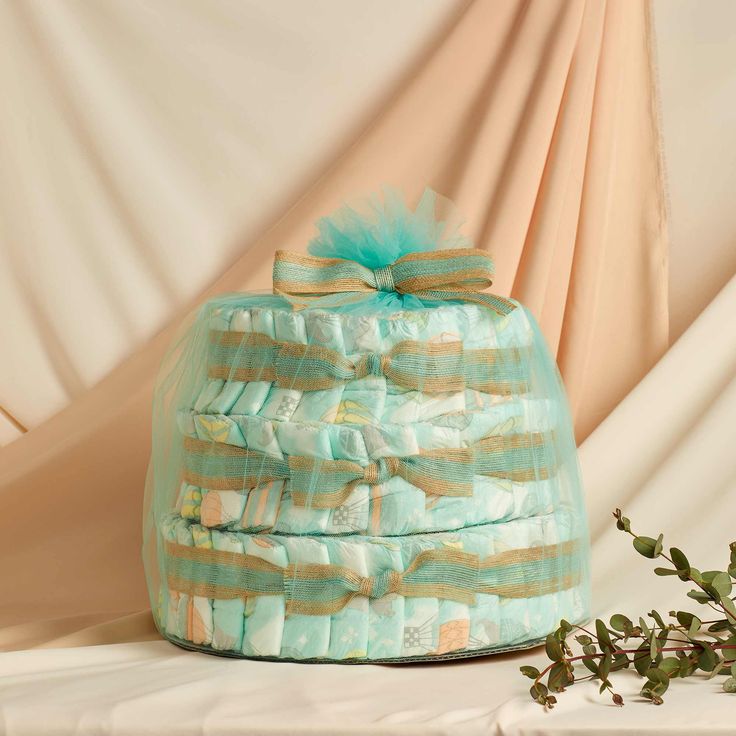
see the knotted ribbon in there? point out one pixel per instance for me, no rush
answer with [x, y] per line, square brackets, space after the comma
[323, 483]
[458, 274]
[428, 367]
[446, 573]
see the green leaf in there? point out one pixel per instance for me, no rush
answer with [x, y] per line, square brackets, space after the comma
[729, 685]
[718, 626]
[590, 649]
[592, 664]
[699, 596]
[662, 571]
[642, 660]
[645, 630]
[604, 638]
[730, 607]
[694, 627]
[553, 648]
[620, 662]
[670, 665]
[655, 615]
[657, 676]
[684, 618]
[622, 523]
[722, 583]
[653, 651]
[621, 622]
[530, 672]
[648, 547]
[707, 658]
[679, 559]
[559, 677]
[605, 666]
[538, 692]
[565, 626]
[583, 640]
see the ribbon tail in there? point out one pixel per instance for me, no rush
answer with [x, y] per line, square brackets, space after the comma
[498, 304]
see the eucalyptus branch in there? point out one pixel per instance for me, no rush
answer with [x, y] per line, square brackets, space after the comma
[711, 650]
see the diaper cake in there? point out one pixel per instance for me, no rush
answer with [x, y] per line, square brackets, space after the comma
[375, 463]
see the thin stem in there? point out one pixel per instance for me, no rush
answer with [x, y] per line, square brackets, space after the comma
[629, 651]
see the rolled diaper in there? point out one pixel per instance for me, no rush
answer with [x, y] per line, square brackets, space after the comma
[228, 616]
[264, 615]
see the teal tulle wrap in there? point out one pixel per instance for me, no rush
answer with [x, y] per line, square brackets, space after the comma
[341, 472]
[378, 230]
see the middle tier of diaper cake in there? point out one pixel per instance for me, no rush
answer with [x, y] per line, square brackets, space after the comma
[325, 423]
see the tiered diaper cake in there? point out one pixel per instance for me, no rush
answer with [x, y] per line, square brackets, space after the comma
[376, 463]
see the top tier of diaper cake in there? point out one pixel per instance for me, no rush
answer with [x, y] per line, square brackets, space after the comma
[381, 398]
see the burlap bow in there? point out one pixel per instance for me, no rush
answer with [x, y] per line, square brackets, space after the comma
[458, 274]
[446, 573]
[429, 367]
[322, 483]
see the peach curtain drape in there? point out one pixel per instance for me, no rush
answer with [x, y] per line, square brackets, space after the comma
[537, 118]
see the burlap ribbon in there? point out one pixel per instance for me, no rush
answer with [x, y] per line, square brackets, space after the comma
[323, 589]
[322, 483]
[421, 366]
[458, 275]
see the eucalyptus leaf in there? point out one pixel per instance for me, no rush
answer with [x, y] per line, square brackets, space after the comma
[729, 685]
[646, 546]
[699, 596]
[653, 651]
[604, 638]
[558, 677]
[730, 608]
[553, 648]
[604, 669]
[707, 658]
[670, 665]
[694, 627]
[642, 660]
[528, 671]
[660, 622]
[722, 583]
[620, 622]
[679, 559]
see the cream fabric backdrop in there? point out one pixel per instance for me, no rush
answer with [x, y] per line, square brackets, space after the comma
[145, 145]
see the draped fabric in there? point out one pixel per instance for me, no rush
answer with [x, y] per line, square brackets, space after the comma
[536, 118]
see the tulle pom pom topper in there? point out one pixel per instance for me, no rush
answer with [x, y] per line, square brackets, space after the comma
[377, 231]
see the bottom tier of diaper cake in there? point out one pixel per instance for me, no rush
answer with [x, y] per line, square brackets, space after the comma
[365, 599]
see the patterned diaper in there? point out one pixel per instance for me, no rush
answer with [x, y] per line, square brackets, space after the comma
[375, 464]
